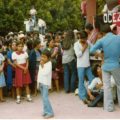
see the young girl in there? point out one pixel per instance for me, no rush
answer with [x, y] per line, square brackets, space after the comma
[10, 69]
[22, 77]
[44, 81]
[2, 78]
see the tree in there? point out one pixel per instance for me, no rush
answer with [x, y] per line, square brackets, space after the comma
[59, 15]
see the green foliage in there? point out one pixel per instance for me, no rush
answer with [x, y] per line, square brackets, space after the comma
[59, 15]
[100, 5]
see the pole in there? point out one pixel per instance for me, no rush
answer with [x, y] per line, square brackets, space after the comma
[91, 10]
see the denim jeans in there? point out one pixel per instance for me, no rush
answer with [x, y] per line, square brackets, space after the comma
[70, 76]
[46, 103]
[98, 98]
[81, 75]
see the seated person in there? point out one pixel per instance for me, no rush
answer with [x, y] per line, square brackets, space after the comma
[95, 89]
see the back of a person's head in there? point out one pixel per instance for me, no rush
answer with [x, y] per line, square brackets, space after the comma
[68, 40]
[36, 42]
[70, 34]
[105, 28]
[83, 34]
[89, 26]
[29, 44]
[47, 53]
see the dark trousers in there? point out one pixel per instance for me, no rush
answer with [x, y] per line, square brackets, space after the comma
[98, 98]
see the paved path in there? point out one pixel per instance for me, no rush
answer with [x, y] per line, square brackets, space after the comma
[65, 106]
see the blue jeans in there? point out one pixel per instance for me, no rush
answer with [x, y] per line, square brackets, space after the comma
[98, 98]
[46, 103]
[81, 75]
[70, 76]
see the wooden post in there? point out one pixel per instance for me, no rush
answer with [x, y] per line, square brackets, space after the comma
[91, 10]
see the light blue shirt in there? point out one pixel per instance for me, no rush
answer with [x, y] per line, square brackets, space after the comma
[110, 44]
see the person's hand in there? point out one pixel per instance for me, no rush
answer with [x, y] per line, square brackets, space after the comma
[42, 63]
[25, 70]
[98, 86]
[1, 69]
[92, 97]
[85, 46]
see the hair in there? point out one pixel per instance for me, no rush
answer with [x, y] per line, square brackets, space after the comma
[29, 44]
[83, 34]
[48, 41]
[68, 40]
[95, 70]
[36, 42]
[89, 26]
[19, 43]
[105, 28]
[47, 53]
[13, 42]
[0, 46]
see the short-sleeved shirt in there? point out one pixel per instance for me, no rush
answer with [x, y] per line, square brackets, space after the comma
[94, 82]
[20, 58]
[1, 58]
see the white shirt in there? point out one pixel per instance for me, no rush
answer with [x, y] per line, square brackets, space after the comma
[20, 58]
[83, 59]
[2, 58]
[94, 82]
[45, 74]
[27, 26]
[97, 80]
[41, 23]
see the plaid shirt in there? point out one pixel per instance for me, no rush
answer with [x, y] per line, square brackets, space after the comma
[92, 38]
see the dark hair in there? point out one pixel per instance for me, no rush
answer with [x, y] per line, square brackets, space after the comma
[83, 34]
[36, 42]
[105, 28]
[47, 53]
[68, 40]
[19, 43]
[48, 37]
[29, 44]
[0, 46]
[95, 70]
[48, 41]
[89, 26]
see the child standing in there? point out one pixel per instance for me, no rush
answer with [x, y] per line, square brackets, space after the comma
[10, 69]
[22, 77]
[44, 81]
[34, 61]
[2, 78]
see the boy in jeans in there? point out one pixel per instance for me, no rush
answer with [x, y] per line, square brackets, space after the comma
[44, 81]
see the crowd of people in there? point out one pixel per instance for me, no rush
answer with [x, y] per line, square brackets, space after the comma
[21, 56]
[56, 61]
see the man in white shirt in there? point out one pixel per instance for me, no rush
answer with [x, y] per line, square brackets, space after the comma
[33, 13]
[83, 64]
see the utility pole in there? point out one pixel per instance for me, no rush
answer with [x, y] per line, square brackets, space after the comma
[91, 10]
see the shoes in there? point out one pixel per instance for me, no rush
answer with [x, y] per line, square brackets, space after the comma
[29, 99]
[44, 114]
[99, 104]
[18, 101]
[91, 104]
[86, 101]
[48, 116]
